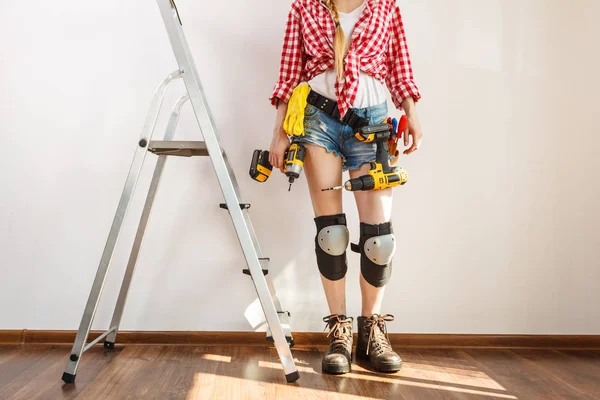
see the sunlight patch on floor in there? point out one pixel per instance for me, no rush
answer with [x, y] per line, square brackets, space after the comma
[472, 372]
[401, 378]
[202, 386]
[449, 375]
[207, 386]
[216, 357]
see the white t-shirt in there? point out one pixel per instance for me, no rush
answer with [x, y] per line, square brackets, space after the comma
[370, 92]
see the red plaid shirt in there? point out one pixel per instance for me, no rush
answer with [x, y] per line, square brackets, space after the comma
[378, 48]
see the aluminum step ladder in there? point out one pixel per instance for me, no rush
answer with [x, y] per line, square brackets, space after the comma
[277, 319]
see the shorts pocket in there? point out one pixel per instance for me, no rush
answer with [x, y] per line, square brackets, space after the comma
[310, 110]
[377, 115]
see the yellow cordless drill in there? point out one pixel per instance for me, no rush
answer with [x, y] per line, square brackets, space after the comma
[260, 167]
[294, 162]
[381, 175]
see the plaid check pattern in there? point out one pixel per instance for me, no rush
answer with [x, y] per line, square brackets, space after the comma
[378, 47]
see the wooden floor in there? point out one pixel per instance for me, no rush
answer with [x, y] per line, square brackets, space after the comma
[253, 372]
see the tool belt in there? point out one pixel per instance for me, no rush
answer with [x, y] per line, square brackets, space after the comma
[330, 108]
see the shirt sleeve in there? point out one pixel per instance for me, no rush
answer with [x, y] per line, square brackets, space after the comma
[399, 78]
[292, 60]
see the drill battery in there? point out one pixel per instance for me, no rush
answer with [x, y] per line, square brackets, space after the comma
[260, 167]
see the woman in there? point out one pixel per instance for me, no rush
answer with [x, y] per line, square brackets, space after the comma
[347, 51]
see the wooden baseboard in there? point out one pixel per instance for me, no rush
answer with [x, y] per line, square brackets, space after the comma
[401, 340]
[12, 337]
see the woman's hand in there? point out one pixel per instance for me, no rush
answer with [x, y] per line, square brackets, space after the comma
[413, 127]
[280, 141]
[279, 144]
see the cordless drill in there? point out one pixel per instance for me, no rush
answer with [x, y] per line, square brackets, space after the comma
[294, 162]
[260, 167]
[381, 175]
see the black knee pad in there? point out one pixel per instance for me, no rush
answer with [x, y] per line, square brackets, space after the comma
[377, 246]
[331, 242]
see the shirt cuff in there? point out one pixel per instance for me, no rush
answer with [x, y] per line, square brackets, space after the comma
[405, 90]
[282, 92]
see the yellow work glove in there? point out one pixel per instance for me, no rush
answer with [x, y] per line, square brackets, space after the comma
[293, 124]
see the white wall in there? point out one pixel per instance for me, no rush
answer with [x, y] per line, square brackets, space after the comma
[498, 223]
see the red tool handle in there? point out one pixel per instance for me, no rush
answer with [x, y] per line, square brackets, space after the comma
[402, 126]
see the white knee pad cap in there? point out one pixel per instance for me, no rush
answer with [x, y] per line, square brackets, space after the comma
[334, 239]
[380, 249]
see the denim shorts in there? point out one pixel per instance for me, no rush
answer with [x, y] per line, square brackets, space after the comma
[337, 138]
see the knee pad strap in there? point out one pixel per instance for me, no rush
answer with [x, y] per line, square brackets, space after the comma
[331, 242]
[377, 246]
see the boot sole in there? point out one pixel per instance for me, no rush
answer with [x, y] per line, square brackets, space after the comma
[382, 367]
[335, 368]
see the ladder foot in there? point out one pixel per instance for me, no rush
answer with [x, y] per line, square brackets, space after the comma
[70, 378]
[293, 377]
[109, 345]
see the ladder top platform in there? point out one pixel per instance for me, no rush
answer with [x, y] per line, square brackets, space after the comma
[178, 148]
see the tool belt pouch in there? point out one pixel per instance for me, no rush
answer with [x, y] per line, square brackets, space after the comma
[293, 124]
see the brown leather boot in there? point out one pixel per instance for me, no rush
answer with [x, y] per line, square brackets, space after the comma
[338, 357]
[373, 343]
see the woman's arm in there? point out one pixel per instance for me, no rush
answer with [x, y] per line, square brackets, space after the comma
[279, 141]
[292, 59]
[290, 74]
[399, 80]
[414, 126]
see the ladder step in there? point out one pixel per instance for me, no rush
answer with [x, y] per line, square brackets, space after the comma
[264, 261]
[246, 271]
[284, 318]
[182, 148]
[243, 206]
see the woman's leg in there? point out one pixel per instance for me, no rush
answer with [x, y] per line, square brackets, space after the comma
[322, 170]
[374, 210]
[374, 207]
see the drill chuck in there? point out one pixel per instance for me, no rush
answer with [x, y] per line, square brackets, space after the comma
[293, 171]
[365, 182]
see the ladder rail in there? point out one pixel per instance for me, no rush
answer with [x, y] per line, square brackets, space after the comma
[115, 230]
[227, 180]
[143, 223]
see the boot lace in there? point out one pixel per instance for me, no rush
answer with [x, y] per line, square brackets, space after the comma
[378, 333]
[341, 331]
